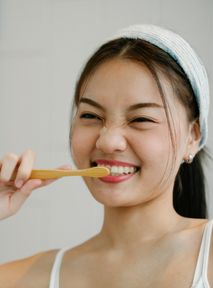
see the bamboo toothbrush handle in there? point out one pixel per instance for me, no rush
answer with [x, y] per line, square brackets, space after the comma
[56, 173]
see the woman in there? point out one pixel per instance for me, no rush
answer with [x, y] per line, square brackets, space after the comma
[140, 109]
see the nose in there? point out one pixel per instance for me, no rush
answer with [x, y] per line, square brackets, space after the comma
[111, 140]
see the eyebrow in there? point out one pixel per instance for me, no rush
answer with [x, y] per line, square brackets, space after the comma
[132, 107]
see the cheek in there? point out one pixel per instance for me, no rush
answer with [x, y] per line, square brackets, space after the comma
[82, 144]
[153, 147]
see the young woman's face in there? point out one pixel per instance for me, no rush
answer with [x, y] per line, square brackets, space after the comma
[121, 122]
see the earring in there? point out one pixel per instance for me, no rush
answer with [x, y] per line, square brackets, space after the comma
[189, 159]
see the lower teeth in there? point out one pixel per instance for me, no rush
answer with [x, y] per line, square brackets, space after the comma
[117, 174]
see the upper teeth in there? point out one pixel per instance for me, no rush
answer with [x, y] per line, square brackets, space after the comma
[119, 169]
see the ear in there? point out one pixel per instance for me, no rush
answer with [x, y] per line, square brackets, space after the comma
[194, 137]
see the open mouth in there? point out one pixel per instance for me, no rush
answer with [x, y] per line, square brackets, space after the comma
[118, 170]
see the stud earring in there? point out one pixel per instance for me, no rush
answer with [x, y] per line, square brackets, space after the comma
[189, 159]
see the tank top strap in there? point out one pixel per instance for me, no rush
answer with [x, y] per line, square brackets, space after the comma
[54, 277]
[201, 270]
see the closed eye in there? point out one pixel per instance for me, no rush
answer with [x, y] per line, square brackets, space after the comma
[89, 116]
[142, 119]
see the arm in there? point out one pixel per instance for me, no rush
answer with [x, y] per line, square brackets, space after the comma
[31, 272]
[34, 271]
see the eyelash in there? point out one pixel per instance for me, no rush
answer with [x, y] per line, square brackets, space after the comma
[143, 120]
[91, 116]
[94, 116]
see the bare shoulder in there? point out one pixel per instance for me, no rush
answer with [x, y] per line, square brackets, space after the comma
[79, 261]
[210, 262]
[210, 270]
[30, 272]
[90, 247]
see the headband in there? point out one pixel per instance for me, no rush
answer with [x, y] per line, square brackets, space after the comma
[185, 56]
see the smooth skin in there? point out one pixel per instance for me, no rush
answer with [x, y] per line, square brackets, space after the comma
[143, 241]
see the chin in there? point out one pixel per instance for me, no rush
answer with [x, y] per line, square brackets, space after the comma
[112, 197]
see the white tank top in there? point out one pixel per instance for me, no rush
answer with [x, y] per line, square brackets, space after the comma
[200, 277]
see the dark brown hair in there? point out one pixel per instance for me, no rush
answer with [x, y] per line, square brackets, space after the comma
[189, 198]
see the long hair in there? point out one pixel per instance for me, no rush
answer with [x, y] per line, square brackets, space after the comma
[189, 197]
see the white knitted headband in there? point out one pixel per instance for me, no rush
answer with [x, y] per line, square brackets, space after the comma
[185, 56]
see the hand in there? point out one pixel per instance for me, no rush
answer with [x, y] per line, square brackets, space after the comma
[14, 193]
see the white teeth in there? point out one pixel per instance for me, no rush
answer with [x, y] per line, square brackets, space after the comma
[114, 169]
[125, 169]
[118, 170]
[134, 169]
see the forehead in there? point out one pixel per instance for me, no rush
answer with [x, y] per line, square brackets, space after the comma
[123, 80]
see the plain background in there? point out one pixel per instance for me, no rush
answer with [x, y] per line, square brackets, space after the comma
[43, 46]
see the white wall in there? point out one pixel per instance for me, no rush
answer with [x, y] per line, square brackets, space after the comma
[43, 45]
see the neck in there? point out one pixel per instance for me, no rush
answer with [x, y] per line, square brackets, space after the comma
[126, 226]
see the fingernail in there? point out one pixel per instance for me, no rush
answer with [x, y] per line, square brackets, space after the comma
[19, 183]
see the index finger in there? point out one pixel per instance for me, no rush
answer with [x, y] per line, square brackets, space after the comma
[25, 168]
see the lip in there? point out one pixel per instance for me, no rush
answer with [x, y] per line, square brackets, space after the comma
[116, 179]
[114, 163]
